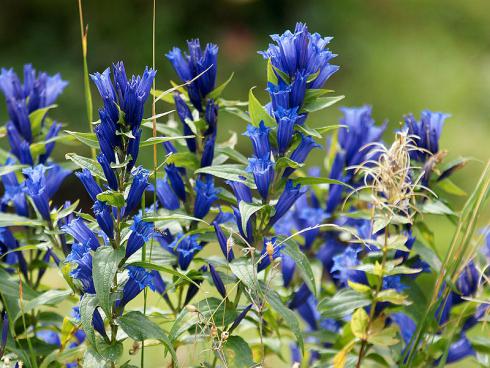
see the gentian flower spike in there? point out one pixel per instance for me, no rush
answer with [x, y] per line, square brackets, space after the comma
[206, 194]
[223, 242]
[262, 170]
[141, 233]
[260, 139]
[218, 282]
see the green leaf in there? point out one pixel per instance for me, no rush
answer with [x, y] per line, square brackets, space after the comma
[7, 169]
[140, 328]
[112, 198]
[287, 162]
[257, 112]
[436, 208]
[237, 353]
[50, 297]
[359, 323]
[89, 139]
[307, 130]
[321, 103]
[217, 311]
[36, 117]
[232, 153]
[105, 264]
[10, 219]
[342, 303]
[449, 187]
[243, 268]
[232, 172]
[64, 356]
[215, 93]
[171, 271]
[184, 159]
[271, 75]
[87, 163]
[385, 337]
[246, 211]
[393, 297]
[88, 304]
[157, 140]
[287, 314]
[111, 351]
[173, 217]
[292, 250]
[428, 255]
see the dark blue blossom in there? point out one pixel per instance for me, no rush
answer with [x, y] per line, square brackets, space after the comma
[5, 331]
[301, 152]
[426, 133]
[194, 287]
[35, 187]
[223, 242]
[53, 131]
[55, 175]
[185, 247]
[288, 265]
[242, 191]
[218, 282]
[468, 281]
[81, 233]
[81, 257]
[138, 186]
[270, 251]
[303, 52]
[260, 139]
[343, 268]
[167, 197]
[133, 147]
[89, 183]
[196, 63]
[19, 146]
[300, 296]
[141, 233]
[211, 117]
[14, 193]
[246, 233]
[185, 115]
[262, 169]
[108, 171]
[286, 119]
[103, 215]
[287, 199]
[9, 243]
[240, 318]
[176, 181]
[138, 279]
[206, 194]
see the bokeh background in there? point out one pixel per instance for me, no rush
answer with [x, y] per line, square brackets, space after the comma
[399, 56]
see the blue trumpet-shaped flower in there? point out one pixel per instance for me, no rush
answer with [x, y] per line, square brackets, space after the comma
[223, 242]
[185, 115]
[302, 51]
[89, 183]
[426, 133]
[240, 317]
[175, 178]
[262, 169]
[185, 247]
[343, 268]
[81, 233]
[260, 139]
[35, 187]
[286, 119]
[138, 279]
[196, 64]
[138, 186]
[287, 199]
[241, 191]
[141, 233]
[301, 152]
[218, 282]
[206, 194]
[13, 192]
[19, 146]
[166, 195]
[53, 131]
[81, 257]
[103, 215]
[108, 171]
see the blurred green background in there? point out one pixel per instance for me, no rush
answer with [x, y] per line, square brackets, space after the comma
[399, 56]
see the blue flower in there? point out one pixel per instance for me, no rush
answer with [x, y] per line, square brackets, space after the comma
[302, 51]
[141, 233]
[286, 119]
[133, 147]
[287, 199]
[240, 318]
[19, 146]
[82, 259]
[103, 215]
[13, 192]
[460, 349]
[138, 279]
[393, 282]
[185, 115]
[55, 175]
[81, 233]
[89, 183]
[160, 285]
[206, 194]
[223, 242]
[211, 117]
[189, 66]
[288, 265]
[108, 171]
[194, 287]
[263, 171]
[301, 152]
[53, 131]
[248, 235]
[176, 181]
[300, 296]
[343, 267]
[167, 197]
[218, 282]
[35, 187]
[49, 337]
[426, 133]
[106, 132]
[185, 247]
[309, 217]
[260, 139]
[241, 191]
[138, 186]
[5, 332]
[468, 281]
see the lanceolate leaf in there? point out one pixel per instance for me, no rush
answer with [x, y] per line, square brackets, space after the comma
[36, 117]
[88, 304]
[50, 297]
[292, 250]
[310, 180]
[246, 211]
[112, 198]
[215, 93]
[10, 219]
[342, 303]
[86, 163]
[157, 140]
[7, 169]
[237, 353]
[321, 103]
[88, 139]
[243, 268]
[257, 112]
[105, 263]
[140, 328]
[232, 172]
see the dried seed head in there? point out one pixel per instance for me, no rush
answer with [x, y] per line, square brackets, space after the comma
[269, 248]
[191, 308]
[229, 245]
[214, 331]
